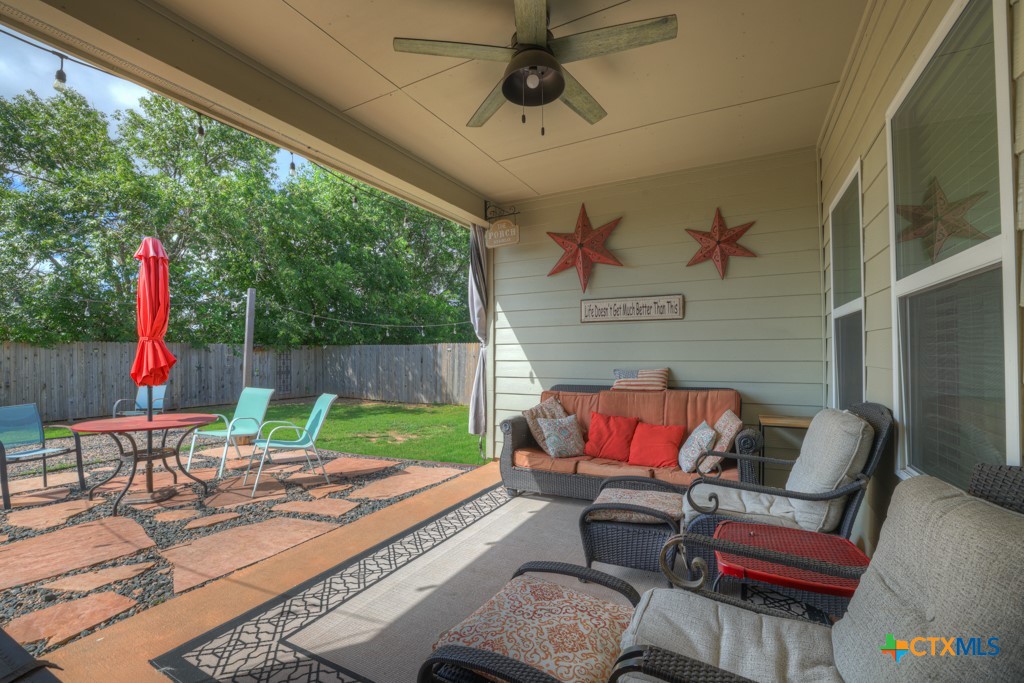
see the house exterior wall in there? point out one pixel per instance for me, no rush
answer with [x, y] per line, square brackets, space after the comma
[759, 330]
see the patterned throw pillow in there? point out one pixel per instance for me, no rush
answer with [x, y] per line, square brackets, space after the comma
[701, 439]
[646, 380]
[563, 436]
[728, 426]
[625, 373]
[550, 409]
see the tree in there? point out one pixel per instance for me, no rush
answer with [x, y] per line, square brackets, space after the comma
[78, 192]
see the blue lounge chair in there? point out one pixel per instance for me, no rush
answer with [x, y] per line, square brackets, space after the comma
[142, 402]
[247, 422]
[22, 440]
[305, 438]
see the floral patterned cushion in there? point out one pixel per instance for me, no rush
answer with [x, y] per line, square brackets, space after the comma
[662, 501]
[567, 634]
[728, 426]
[550, 409]
[701, 439]
[563, 436]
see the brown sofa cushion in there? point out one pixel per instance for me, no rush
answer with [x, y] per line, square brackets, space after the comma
[649, 406]
[690, 408]
[602, 467]
[536, 459]
[674, 475]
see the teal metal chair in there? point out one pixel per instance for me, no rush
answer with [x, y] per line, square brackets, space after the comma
[305, 438]
[247, 422]
[141, 402]
[22, 440]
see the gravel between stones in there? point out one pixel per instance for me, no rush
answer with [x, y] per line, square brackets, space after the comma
[155, 585]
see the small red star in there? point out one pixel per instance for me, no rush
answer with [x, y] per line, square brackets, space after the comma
[719, 244]
[584, 247]
[936, 219]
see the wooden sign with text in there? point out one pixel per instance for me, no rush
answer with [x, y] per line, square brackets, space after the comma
[632, 309]
[502, 233]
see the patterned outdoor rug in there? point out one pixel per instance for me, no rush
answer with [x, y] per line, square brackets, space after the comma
[376, 617]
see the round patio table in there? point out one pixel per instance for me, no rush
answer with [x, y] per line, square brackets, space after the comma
[122, 427]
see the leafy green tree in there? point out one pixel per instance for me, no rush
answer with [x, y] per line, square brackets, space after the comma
[78, 192]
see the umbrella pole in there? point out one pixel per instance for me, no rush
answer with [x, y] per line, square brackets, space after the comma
[149, 438]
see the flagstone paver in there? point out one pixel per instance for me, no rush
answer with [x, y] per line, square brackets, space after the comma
[323, 491]
[64, 550]
[36, 483]
[231, 492]
[210, 520]
[185, 496]
[354, 467]
[226, 551]
[62, 622]
[24, 500]
[410, 479]
[161, 479]
[50, 515]
[174, 515]
[308, 480]
[92, 580]
[328, 507]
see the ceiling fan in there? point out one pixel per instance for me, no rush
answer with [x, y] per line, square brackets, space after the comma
[535, 75]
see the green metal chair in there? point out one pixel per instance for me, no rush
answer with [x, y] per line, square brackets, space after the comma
[305, 438]
[21, 426]
[141, 402]
[247, 422]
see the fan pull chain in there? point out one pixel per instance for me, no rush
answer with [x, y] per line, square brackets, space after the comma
[542, 108]
[524, 100]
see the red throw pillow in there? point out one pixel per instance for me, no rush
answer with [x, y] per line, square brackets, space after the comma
[609, 436]
[656, 446]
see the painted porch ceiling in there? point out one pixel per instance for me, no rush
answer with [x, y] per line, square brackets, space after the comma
[743, 78]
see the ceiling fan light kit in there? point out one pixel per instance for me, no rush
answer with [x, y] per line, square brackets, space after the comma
[535, 75]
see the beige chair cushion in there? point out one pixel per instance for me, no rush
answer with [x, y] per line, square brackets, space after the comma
[740, 641]
[833, 454]
[568, 634]
[755, 507]
[662, 501]
[947, 565]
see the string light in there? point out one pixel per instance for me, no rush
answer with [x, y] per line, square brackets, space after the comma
[291, 167]
[60, 79]
[200, 131]
[355, 203]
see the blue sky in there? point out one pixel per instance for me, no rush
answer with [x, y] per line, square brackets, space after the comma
[23, 67]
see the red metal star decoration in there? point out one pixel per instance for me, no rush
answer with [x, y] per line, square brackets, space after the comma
[584, 247]
[719, 244]
[936, 219]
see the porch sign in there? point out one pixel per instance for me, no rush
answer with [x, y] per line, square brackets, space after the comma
[502, 233]
[632, 309]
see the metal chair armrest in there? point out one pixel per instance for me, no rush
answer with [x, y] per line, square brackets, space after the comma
[480, 662]
[669, 666]
[119, 402]
[227, 422]
[298, 430]
[231, 425]
[77, 437]
[590, 575]
[856, 485]
[272, 422]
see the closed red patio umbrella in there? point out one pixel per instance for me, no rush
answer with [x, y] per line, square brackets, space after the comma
[153, 360]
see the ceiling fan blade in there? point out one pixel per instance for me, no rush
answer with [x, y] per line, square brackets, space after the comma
[532, 22]
[488, 107]
[580, 101]
[604, 41]
[444, 48]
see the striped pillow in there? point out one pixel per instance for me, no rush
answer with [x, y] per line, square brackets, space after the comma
[646, 380]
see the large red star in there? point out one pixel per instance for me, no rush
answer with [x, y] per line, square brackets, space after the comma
[719, 244]
[936, 219]
[584, 247]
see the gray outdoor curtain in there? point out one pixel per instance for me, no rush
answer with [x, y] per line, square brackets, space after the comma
[478, 316]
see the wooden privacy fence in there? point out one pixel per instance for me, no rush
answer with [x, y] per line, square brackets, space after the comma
[74, 381]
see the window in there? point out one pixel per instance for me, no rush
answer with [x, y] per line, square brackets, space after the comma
[953, 252]
[847, 295]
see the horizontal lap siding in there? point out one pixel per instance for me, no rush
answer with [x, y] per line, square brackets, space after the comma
[759, 330]
[892, 38]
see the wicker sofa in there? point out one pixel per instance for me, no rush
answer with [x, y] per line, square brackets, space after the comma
[527, 468]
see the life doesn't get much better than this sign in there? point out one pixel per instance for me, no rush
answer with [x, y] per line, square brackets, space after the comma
[632, 308]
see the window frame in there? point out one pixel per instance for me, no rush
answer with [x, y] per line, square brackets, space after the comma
[857, 304]
[1000, 250]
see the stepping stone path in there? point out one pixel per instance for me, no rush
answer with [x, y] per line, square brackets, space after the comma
[310, 480]
[174, 515]
[322, 491]
[50, 515]
[62, 622]
[231, 492]
[223, 552]
[161, 479]
[92, 580]
[328, 507]
[410, 479]
[210, 520]
[185, 496]
[25, 500]
[68, 549]
[354, 467]
[36, 483]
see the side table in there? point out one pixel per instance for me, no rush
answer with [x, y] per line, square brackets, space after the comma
[777, 422]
